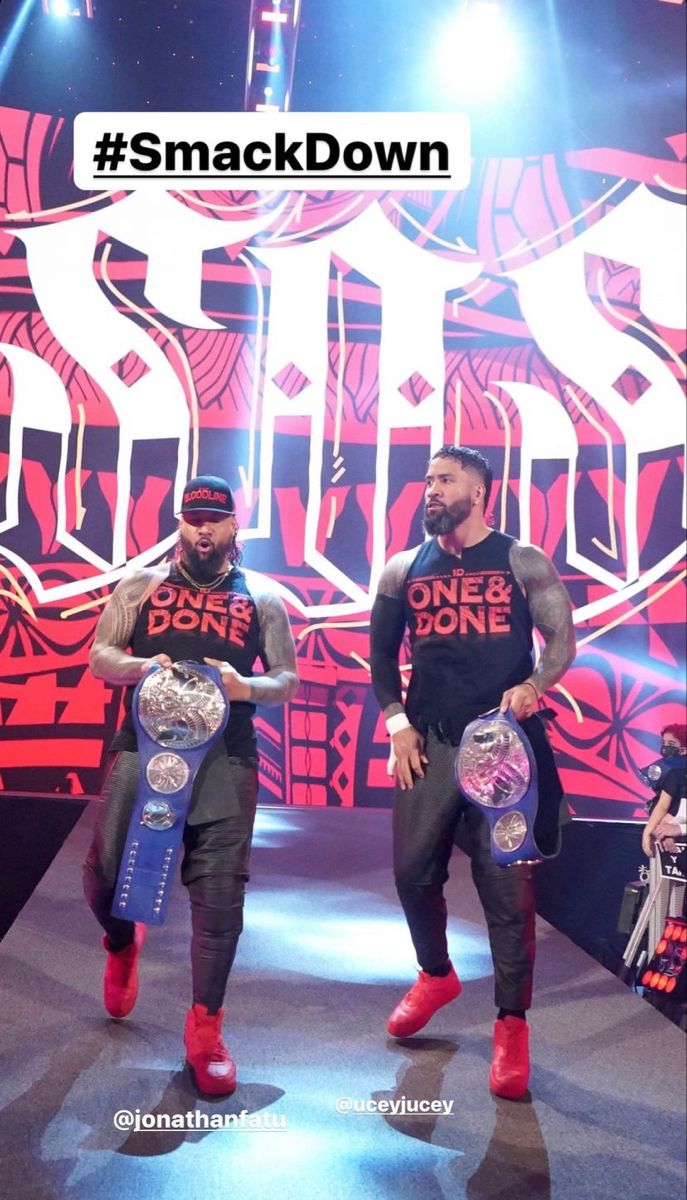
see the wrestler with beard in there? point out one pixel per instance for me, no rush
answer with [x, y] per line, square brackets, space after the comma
[207, 544]
[203, 607]
[468, 598]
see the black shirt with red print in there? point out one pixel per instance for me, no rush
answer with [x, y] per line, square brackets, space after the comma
[469, 627]
[191, 624]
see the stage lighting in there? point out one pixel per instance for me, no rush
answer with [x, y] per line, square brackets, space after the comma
[477, 51]
[68, 8]
[272, 52]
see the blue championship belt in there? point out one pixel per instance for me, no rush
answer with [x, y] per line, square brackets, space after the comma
[179, 712]
[497, 772]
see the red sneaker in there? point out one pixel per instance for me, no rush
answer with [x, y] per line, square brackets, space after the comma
[510, 1068]
[213, 1068]
[430, 993]
[120, 981]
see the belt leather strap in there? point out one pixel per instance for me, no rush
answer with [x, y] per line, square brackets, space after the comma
[178, 712]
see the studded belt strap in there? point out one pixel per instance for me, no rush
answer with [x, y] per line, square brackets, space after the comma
[496, 771]
[179, 712]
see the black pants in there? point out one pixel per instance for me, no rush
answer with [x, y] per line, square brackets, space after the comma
[214, 869]
[426, 820]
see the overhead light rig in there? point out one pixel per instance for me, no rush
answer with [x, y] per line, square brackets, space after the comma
[271, 54]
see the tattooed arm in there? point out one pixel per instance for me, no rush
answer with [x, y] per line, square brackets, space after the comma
[551, 612]
[387, 627]
[277, 652]
[109, 659]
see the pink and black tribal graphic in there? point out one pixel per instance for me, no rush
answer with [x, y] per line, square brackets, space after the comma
[314, 348]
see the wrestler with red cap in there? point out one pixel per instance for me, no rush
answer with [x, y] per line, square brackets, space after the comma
[200, 606]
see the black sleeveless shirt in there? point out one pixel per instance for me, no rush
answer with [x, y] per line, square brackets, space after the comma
[185, 623]
[470, 632]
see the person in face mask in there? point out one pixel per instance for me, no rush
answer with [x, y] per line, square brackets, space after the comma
[673, 739]
[668, 818]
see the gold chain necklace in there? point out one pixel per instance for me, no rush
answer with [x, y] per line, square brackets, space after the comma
[203, 587]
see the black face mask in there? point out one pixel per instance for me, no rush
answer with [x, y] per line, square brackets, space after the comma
[669, 751]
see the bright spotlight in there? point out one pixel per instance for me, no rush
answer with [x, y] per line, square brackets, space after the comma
[68, 8]
[477, 52]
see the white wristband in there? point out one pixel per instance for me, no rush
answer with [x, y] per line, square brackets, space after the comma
[396, 723]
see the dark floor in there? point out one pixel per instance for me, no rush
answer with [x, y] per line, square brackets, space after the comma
[324, 957]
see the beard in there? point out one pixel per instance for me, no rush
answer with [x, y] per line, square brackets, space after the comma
[205, 567]
[447, 518]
